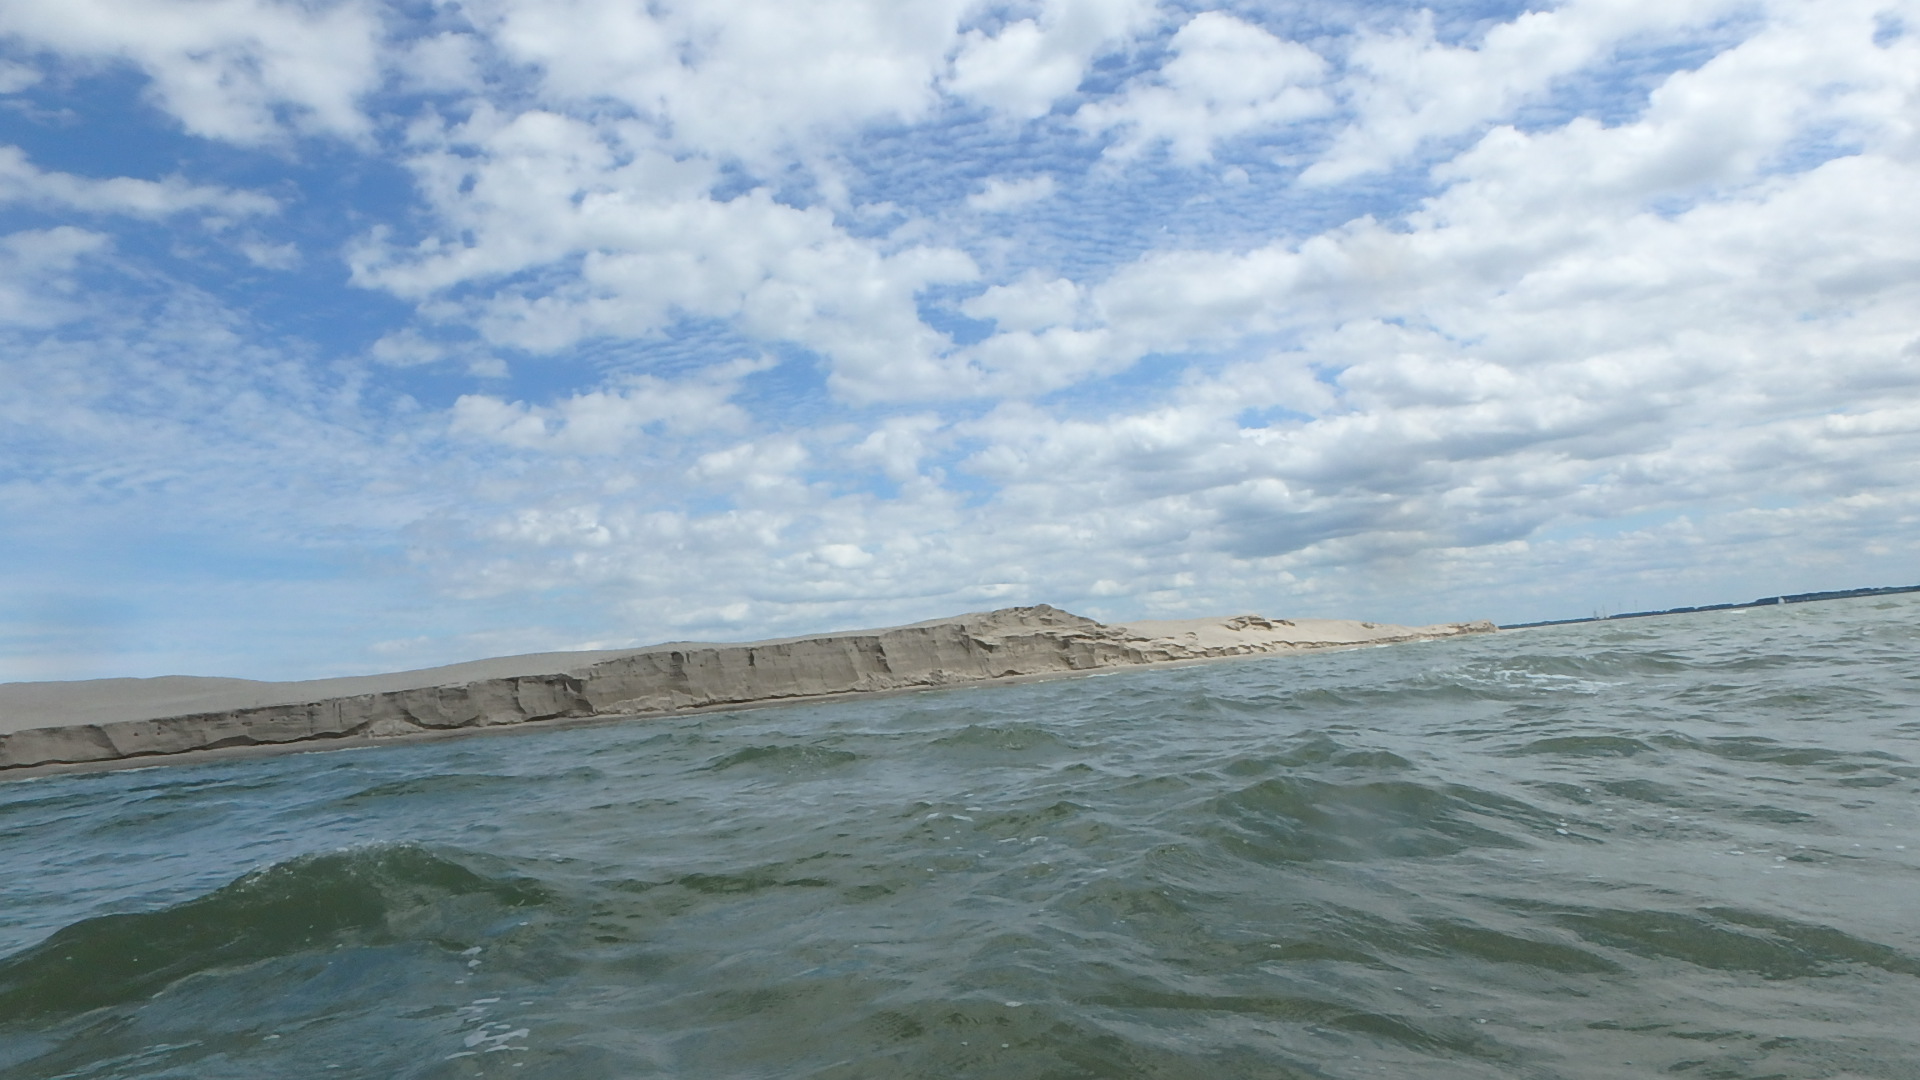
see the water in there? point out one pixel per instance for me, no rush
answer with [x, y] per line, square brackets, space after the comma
[1683, 845]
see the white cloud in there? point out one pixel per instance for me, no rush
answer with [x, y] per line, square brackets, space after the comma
[269, 256]
[763, 468]
[607, 421]
[756, 79]
[898, 445]
[1031, 303]
[36, 287]
[23, 182]
[1570, 220]
[442, 63]
[1000, 194]
[226, 69]
[406, 348]
[1405, 87]
[1227, 78]
[844, 556]
[16, 77]
[517, 192]
[1031, 63]
[523, 193]
[1023, 363]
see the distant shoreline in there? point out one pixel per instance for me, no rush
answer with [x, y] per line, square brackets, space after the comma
[1768, 601]
[117, 723]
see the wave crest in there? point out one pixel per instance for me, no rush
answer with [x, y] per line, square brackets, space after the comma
[367, 895]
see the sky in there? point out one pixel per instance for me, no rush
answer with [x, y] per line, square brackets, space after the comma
[339, 336]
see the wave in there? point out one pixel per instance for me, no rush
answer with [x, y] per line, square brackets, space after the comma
[1300, 819]
[784, 758]
[1731, 939]
[1010, 738]
[368, 896]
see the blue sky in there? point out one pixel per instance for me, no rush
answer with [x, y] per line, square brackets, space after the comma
[346, 336]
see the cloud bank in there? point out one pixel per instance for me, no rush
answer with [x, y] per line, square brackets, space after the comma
[381, 337]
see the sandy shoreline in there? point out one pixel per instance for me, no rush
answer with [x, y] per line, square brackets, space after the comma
[106, 723]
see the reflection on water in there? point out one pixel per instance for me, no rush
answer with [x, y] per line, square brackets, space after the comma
[1682, 845]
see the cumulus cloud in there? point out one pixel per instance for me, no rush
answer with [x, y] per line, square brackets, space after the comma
[523, 193]
[1227, 77]
[747, 78]
[1029, 64]
[1031, 303]
[899, 445]
[446, 62]
[1406, 88]
[763, 468]
[999, 193]
[225, 69]
[606, 421]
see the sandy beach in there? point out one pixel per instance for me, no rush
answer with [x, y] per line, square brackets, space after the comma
[101, 722]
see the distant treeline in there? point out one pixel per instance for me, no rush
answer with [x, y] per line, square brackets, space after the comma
[1790, 598]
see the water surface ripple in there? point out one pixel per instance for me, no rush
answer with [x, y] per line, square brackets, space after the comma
[1680, 845]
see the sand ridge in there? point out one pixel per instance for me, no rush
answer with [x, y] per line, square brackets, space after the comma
[108, 720]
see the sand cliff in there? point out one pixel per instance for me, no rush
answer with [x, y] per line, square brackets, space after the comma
[109, 720]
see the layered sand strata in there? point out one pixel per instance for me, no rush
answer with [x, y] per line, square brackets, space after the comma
[103, 721]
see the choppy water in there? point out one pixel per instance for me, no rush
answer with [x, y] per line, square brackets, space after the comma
[1685, 845]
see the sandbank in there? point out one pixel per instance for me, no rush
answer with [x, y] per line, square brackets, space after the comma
[105, 723]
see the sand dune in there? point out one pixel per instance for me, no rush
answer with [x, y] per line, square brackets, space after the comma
[102, 721]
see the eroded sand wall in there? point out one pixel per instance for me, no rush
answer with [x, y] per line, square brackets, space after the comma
[974, 648]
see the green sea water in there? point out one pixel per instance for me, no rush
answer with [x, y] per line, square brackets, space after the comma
[1682, 846]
